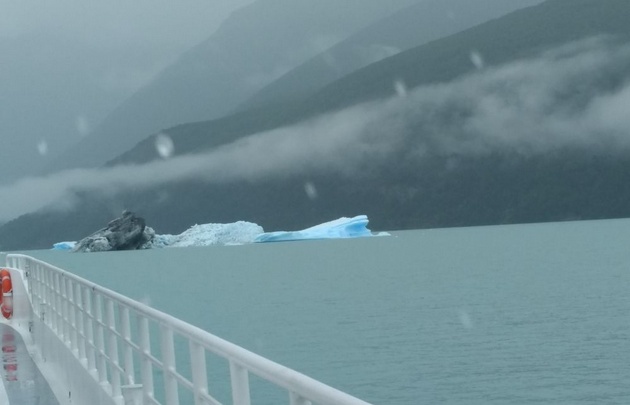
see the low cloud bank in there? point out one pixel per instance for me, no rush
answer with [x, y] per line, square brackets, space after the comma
[574, 96]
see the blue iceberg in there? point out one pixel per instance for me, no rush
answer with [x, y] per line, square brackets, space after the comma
[355, 227]
[64, 245]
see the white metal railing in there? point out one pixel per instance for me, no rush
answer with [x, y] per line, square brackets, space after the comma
[95, 324]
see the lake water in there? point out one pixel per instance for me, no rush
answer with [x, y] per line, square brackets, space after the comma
[493, 315]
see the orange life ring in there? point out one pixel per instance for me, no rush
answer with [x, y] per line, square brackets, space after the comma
[6, 307]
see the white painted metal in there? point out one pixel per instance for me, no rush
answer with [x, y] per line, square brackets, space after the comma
[95, 325]
[240, 384]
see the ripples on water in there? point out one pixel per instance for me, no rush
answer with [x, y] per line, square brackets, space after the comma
[493, 315]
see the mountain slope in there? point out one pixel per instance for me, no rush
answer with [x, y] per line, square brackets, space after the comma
[253, 47]
[538, 133]
[412, 26]
[519, 34]
[49, 97]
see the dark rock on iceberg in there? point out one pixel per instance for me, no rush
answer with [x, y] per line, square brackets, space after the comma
[129, 232]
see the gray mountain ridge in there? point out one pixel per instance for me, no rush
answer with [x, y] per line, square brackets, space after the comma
[410, 27]
[254, 46]
[273, 105]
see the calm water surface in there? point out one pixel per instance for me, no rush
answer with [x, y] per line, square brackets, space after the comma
[493, 315]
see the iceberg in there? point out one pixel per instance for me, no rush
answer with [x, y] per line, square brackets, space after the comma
[64, 245]
[242, 232]
[355, 227]
[127, 232]
[236, 233]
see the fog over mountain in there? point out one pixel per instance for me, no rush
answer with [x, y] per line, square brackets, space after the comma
[415, 25]
[519, 119]
[66, 64]
[257, 44]
[515, 109]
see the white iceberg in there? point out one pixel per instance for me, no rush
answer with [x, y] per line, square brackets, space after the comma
[355, 227]
[236, 233]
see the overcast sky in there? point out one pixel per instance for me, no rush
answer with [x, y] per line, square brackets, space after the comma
[157, 29]
[66, 64]
[168, 23]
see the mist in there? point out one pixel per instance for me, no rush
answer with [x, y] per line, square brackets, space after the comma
[572, 97]
[144, 23]
[67, 64]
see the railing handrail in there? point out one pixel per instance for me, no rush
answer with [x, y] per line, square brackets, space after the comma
[301, 388]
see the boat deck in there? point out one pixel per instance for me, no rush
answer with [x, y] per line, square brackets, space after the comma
[85, 351]
[22, 382]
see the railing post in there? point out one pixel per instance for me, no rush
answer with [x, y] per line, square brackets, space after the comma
[65, 310]
[240, 384]
[199, 371]
[39, 275]
[80, 317]
[38, 285]
[132, 394]
[57, 305]
[42, 283]
[74, 332]
[146, 365]
[37, 294]
[168, 364]
[89, 331]
[72, 315]
[113, 349]
[101, 364]
[127, 349]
